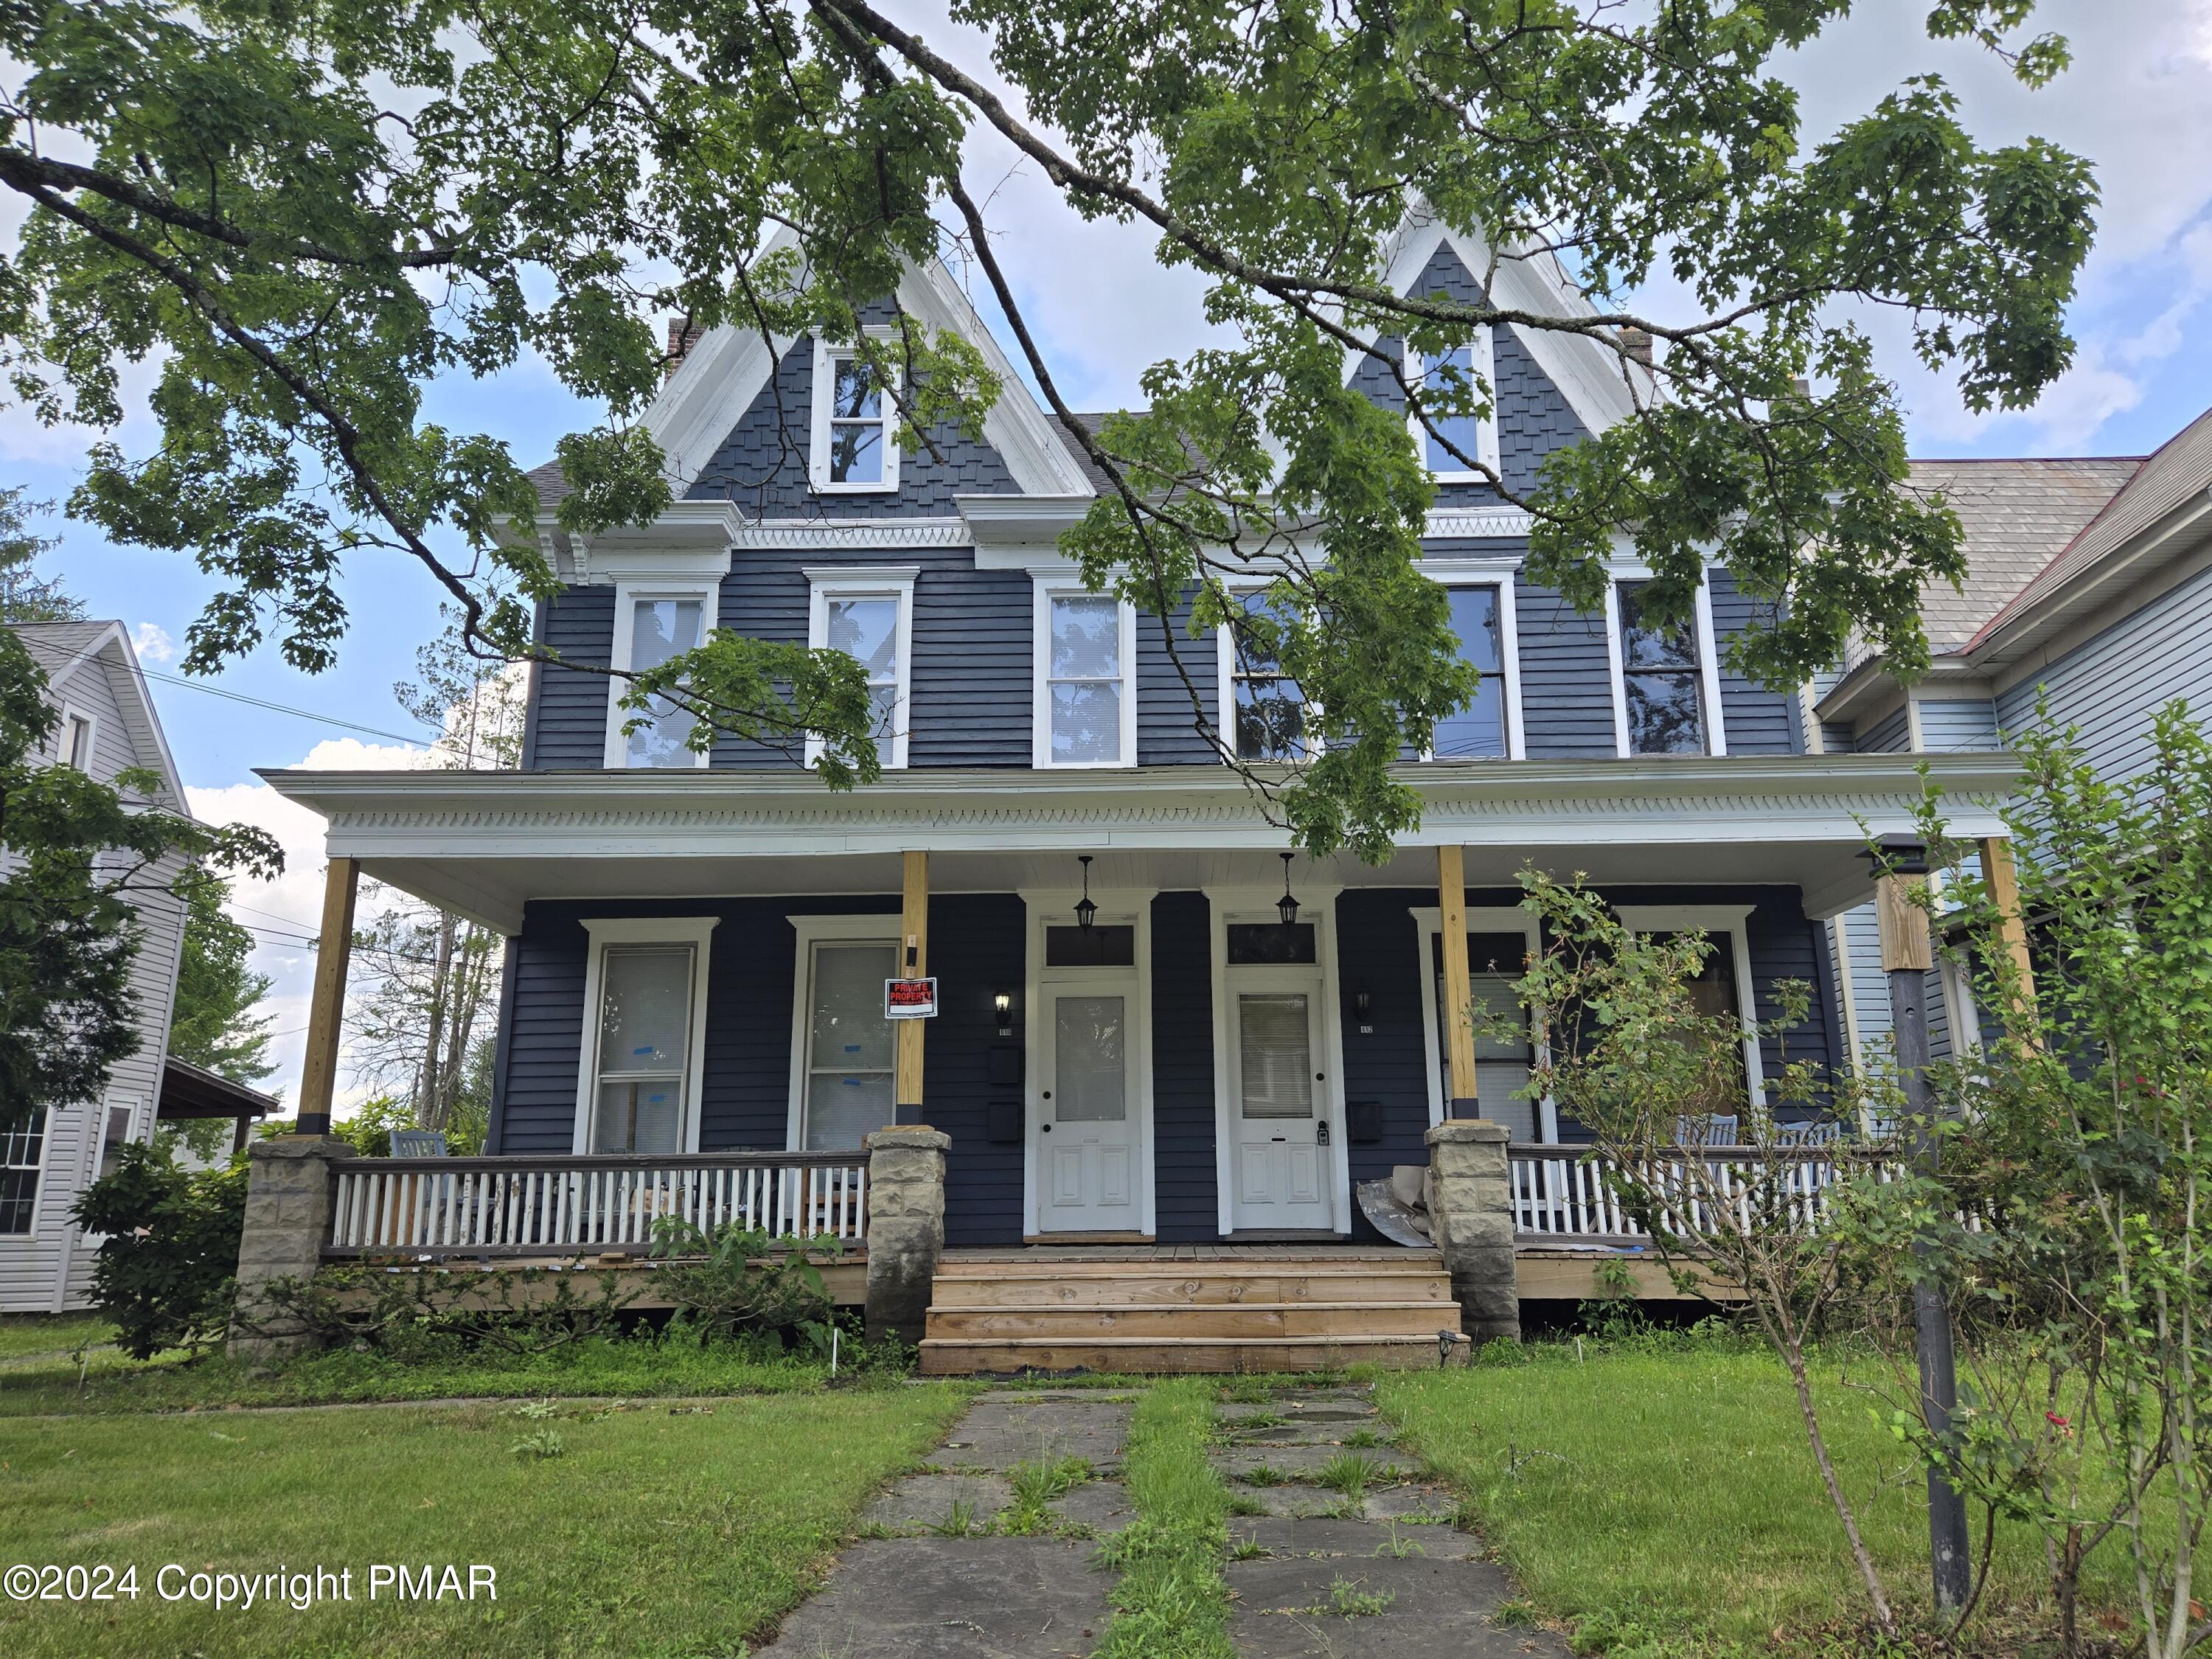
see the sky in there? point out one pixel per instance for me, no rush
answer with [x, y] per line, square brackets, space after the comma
[2137, 101]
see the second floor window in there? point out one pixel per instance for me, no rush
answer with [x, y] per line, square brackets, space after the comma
[1477, 731]
[1663, 679]
[658, 627]
[76, 740]
[868, 614]
[1267, 709]
[1086, 703]
[853, 451]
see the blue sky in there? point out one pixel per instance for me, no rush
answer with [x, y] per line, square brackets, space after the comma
[2138, 102]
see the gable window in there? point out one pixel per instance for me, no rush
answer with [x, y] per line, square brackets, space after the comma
[853, 451]
[1266, 709]
[650, 628]
[73, 739]
[1489, 727]
[646, 994]
[1085, 711]
[868, 614]
[1466, 370]
[1666, 690]
[23, 1152]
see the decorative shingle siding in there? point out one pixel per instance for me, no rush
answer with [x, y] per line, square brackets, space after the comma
[1187, 1199]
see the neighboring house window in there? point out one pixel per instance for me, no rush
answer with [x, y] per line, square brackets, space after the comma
[113, 1143]
[647, 991]
[845, 1092]
[74, 740]
[868, 613]
[1266, 709]
[853, 451]
[1085, 710]
[1468, 366]
[21, 1153]
[1666, 688]
[1488, 728]
[650, 628]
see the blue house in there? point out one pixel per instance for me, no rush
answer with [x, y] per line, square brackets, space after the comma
[1131, 1045]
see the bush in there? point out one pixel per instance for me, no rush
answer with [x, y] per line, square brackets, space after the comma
[168, 1270]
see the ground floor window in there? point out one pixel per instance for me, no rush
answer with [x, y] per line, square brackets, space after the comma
[646, 991]
[21, 1155]
[850, 1049]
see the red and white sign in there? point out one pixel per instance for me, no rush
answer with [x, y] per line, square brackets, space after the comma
[910, 998]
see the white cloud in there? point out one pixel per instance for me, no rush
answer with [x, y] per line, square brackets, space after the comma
[152, 643]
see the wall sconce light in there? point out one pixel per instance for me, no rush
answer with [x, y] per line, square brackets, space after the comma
[1287, 907]
[1004, 1004]
[1086, 911]
[1362, 1006]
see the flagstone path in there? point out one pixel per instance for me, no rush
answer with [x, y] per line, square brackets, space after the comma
[1369, 1567]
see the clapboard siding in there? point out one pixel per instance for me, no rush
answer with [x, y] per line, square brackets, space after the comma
[1890, 735]
[1378, 951]
[568, 709]
[1566, 694]
[976, 951]
[1187, 1197]
[2113, 686]
[1953, 723]
[1757, 722]
[1170, 666]
[1869, 985]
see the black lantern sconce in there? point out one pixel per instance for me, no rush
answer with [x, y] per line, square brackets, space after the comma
[1086, 911]
[1287, 907]
[1003, 1006]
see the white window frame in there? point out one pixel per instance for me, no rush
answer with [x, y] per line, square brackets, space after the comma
[826, 357]
[603, 931]
[1709, 671]
[1482, 354]
[1734, 920]
[1225, 690]
[1049, 588]
[1501, 574]
[42, 1168]
[874, 581]
[1428, 931]
[871, 927]
[627, 595]
[72, 711]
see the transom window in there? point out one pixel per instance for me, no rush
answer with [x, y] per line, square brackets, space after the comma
[1266, 707]
[850, 1050]
[21, 1152]
[1663, 679]
[1463, 371]
[853, 451]
[1477, 731]
[653, 627]
[1086, 703]
[868, 614]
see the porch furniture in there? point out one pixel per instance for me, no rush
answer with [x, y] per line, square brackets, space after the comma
[418, 1143]
[1706, 1129]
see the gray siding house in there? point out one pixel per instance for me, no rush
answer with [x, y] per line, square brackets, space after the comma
[698, 947]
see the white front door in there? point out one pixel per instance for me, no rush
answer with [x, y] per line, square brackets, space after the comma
[1088, 1155]
[1284, 1171]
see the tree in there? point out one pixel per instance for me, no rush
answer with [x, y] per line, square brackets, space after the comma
[26, 596]
[213, 1024]
[77, 857]
[308, 213]
[167, 1271]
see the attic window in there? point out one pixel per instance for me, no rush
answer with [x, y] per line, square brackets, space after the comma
[853, 451]
[76, 740]
[1467, 368]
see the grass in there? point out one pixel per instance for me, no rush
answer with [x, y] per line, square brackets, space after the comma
[24, 1336]
[1665, 1499]
[1171, 1602]
[655, 1531]
[1350, 1473]
[1036, 1486]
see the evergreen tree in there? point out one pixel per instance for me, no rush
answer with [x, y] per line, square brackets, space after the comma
[215, 1025]
[26, 596]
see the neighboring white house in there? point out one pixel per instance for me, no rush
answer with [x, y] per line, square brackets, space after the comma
[107, 724]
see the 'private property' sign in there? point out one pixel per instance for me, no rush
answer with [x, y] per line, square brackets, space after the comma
[910, 998]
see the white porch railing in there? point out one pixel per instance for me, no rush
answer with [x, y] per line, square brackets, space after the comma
[559, 1205]
[1563, 1191]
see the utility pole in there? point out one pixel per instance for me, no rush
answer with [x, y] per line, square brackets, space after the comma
[1907, 956]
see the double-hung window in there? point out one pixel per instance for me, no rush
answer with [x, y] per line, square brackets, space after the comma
[73, 741]
[845, 1092]
[1724, 988]
[853, 453]
[1265, 707]
[650, 628]
[1085, 706]
[867, 612]
[1667, 693]
[22, 1154]
[646, 1001]
[1463, 374]
[1488, 727]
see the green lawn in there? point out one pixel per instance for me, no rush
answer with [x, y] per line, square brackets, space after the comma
[24, 1335]
[654, 1530]
[1668, 1499]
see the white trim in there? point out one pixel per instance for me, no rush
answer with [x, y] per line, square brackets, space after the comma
[870, 927]
[894, 582]
[1708, 673]
[1838, 929]
[1500, 574]
[832, 535]
[45, 1168]
[1428, 931]
[1960, 1016]
[627, 594]
[1054, 907]
[1709, 919]
[696, 932]
[1482, 356]
[826, 357]
[1048, 588]
[1228, 904]
[69, 711]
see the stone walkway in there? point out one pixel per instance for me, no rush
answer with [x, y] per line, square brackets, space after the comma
[1336, 1550]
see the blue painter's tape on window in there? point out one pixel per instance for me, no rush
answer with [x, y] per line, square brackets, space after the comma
[648, 1050]
[850, 1082]
[852, 1047]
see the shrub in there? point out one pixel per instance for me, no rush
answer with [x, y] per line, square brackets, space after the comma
[167, 1269]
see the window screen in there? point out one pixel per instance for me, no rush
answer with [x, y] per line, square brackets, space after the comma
[645, 1015]
[850, 1053]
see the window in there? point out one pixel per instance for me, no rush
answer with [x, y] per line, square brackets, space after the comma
[850, 1049]
[73, 744]
[854, 419]
[1087, 695]
[1266, 709]
[650, 628]
[1467, 368]
[1103, 945]
[1481, 616]
[113, 1143]
[647, 991]
[1723, 986]
[868, 613]
[1667, 692]
[1255, 944]
[21, 1153]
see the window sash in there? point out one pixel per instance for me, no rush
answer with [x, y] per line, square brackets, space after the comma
[662, 740]
[620, 1087]
[1477, 731]
[22, 1157]
[1656, 663]
[1089, 722]
[829, 1119]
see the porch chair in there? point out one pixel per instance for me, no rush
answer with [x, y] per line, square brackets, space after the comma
[1706, 1129]
[420, 1199]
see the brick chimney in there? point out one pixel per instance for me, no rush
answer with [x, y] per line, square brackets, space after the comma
[683, 334]
[1636, 342]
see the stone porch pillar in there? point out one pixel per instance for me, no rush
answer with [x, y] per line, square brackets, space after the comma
[906, 1227]
[290, 1186]
[1471, 1213]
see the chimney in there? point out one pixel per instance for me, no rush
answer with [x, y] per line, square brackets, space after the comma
[1636, 342]
[682, 337]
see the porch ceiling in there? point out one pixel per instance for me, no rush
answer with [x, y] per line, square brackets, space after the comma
[486, 843]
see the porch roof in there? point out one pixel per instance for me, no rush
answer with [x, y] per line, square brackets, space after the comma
[485, 843]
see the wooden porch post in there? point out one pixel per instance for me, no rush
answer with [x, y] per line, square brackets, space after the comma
[2004, 891]
[326, 1009]
[914, 963]
[1459, 997]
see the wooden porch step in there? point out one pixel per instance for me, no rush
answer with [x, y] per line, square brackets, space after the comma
[1239, 1320]
[967, 1356]
[1159, 1289]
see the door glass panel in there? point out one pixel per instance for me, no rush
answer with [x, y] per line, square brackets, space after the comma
[850, 1045]
[1275, 1055]
[1088, 1069]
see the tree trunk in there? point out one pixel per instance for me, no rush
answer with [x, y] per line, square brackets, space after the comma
[429, 1108]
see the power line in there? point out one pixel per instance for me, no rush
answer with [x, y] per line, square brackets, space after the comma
[416, 741]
